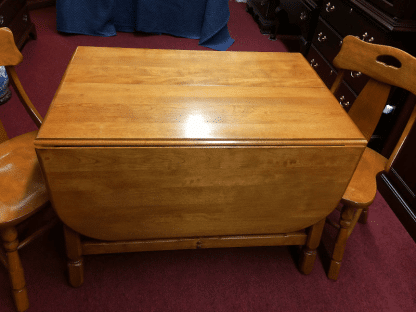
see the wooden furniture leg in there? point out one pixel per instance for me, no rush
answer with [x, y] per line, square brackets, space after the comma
[348, 219]
[75, 259]
[14, 266]
[364, 216]
[308, 256]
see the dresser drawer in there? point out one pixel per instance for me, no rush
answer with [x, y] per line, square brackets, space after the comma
[339, 15]
[300, 14]
[356, 80]
[326, 40]
[348, 20]
[321, 66]
[345, 96]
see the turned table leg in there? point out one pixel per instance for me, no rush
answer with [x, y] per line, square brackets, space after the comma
[75, 259]
[17, 278]
[308, 256]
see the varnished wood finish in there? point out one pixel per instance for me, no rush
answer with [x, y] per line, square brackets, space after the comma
[164, 149]
[75, 259]
[309, 249]
[369, 59]
[210, 188]
[397, 182]
[98, 247]
[22, 188]
[10, 54]
[24, 99]
[362, 56]
[17, 278]
[402, 139]
[368, 20]
[10, 57]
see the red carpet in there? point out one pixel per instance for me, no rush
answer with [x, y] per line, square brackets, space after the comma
[378, 271]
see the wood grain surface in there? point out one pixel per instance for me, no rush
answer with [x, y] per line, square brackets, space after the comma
[156, 144]
[162, 97]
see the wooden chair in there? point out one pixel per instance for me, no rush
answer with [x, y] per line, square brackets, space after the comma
[22, 190]
[386, 67]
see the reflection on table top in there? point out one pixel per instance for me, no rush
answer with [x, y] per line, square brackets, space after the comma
[156, 97]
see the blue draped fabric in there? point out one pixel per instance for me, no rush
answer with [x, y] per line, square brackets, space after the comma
[205, 20]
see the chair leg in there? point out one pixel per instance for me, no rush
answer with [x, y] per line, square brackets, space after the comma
[348, 219]
[75, 259]
[17, 278]
[308, 256]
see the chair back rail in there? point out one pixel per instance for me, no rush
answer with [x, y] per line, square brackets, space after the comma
[10, 56]
[402, 139]
[386, 66]
[383, 63]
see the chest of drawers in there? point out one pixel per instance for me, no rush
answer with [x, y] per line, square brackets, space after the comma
[339, 18]
[297, 19]
[263, 12]
[14, 14]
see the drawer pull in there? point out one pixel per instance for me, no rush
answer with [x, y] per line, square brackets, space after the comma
[1, 20]
[303, 16]
[365, 36]
[321, 37]
[329, 8]
[313, 63]
[355, 74]
[343, 102]
[25, 18]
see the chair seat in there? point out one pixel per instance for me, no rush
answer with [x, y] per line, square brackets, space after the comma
[362, 188]
[22, 188]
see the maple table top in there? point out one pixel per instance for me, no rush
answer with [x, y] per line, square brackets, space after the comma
[147, 97]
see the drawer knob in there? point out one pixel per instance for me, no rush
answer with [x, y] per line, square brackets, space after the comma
[356, 74]
[343, 102]
[329, 8]
[321, 37]
[314, 64]
[303, 16]
[365, 36]
[1, 20]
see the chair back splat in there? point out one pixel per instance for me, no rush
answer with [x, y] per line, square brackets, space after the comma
[386, 66]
